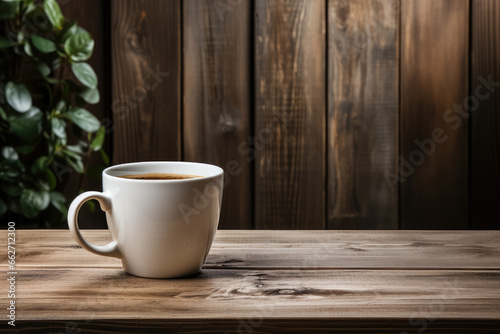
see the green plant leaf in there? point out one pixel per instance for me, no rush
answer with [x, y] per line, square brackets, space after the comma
[28, 3]
[58, 127]
[90, 206]
[76, 149]
[58, 201]
[8, 8]
[76, 164]
[61, 106]
[3, 207]
[104, 157]
[51, 179]
[54, 81]
[8, 175]
[72, 154]
[83, 119]
[18, 96]
[69, 28]
[85, 74]
[4, 43]
[79, 46]
[3, 115]
[43, 68]
[33, 201]
[90, 95]
[53, 13]
[43, 44]
[42, 184]
[27, 48]
[84, 145]
[98, 139]
[40, 164]
[28, 126]
[9, 153]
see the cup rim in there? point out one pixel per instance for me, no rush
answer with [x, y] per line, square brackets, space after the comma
[110, 168]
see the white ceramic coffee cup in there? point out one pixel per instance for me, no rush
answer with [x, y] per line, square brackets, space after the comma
[160, 228]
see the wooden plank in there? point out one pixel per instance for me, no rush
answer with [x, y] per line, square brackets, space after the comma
[362, 114]
[290, 114]
[92, 15]
[146, 65]
[434, 138]
[291, 250]
[99, 297]
[217, 98]
[485, 120]
[256, 325]
[269, 294]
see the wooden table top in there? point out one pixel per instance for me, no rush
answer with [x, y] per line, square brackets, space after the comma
[266, 281]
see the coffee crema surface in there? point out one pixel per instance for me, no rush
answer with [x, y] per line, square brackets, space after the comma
[159, 176]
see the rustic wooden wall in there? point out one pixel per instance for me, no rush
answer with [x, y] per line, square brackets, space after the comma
[434, 72]
[485, 121]
[359, 114]
[289, 85]
[217, 95]
[362, 113]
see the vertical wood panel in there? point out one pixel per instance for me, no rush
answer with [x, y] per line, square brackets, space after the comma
[146, 80]
[434, 62]
[290, 114]
[362, 114]
[217, 98]
[485, 121]
[92, 16]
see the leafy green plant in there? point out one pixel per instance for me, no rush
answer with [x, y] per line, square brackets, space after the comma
[45, 84]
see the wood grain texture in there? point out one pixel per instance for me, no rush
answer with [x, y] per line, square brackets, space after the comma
[485, 121]
[291, 250]
[109, 293]
[216, 110]
[362, 114]
[290, 114]
[146, 66]
[92, 15]
[298, 326]
[87, 293]
[434, 62]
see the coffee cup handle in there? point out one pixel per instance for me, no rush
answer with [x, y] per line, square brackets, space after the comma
[104, 200]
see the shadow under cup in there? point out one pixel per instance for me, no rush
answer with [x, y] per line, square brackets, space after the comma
[160, 228]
